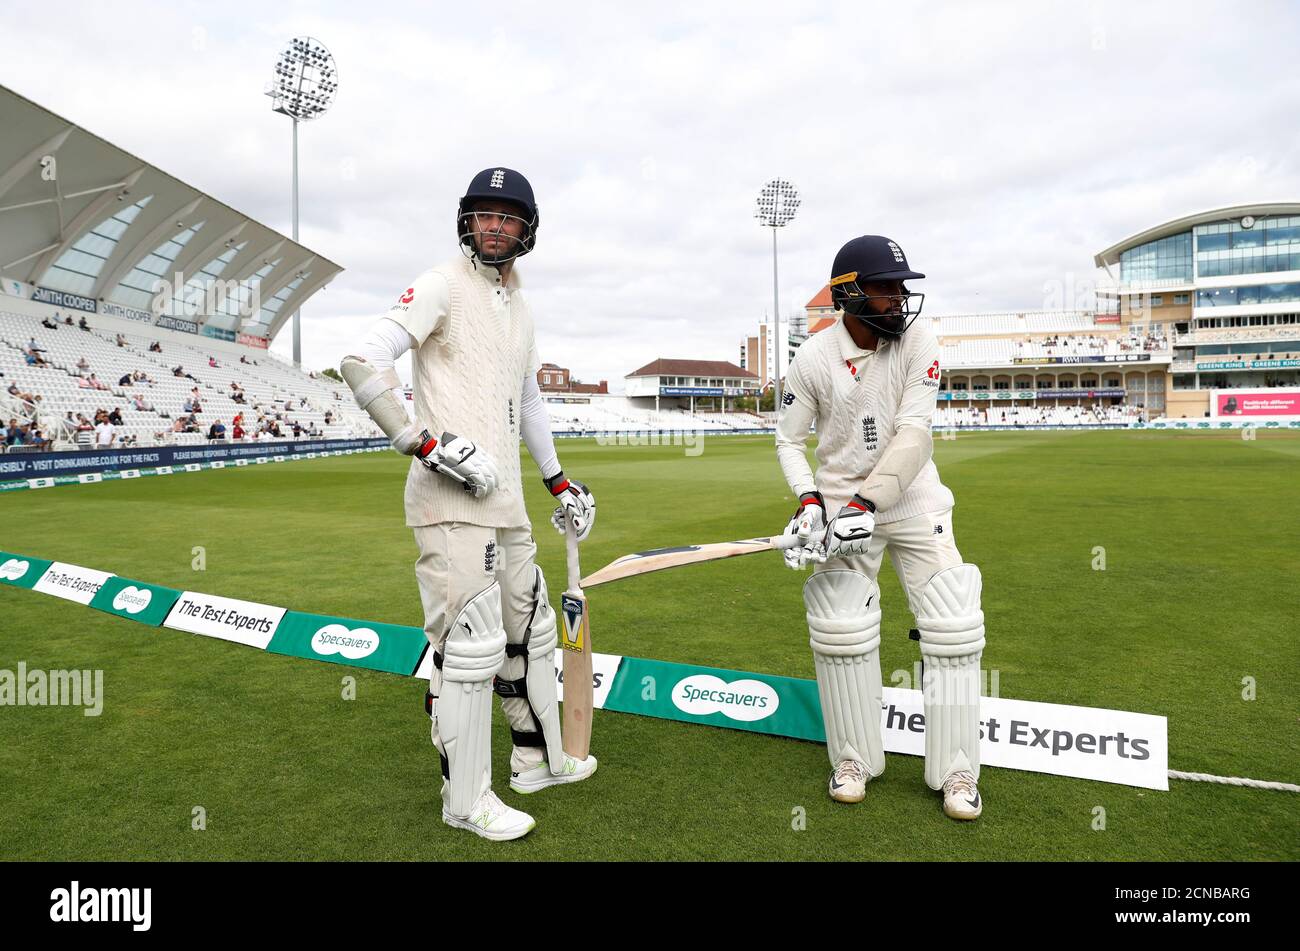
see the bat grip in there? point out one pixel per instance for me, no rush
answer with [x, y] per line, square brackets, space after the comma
[571, 544]
[782, 542]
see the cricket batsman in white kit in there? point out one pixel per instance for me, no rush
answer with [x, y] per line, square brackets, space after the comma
[486, 613]
[870, 383]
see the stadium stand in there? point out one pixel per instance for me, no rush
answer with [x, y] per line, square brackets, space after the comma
[953, 417]
[609, 414]
[85, 371]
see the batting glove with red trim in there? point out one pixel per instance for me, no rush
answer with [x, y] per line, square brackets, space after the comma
[577, 505]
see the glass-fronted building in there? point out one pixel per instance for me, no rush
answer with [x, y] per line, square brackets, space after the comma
[1225, 284]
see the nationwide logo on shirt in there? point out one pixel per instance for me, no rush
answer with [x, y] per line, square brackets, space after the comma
[404, 302]
[932, 375]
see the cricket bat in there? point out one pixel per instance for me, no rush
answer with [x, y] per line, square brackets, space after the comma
[578, 694]
[657, 559]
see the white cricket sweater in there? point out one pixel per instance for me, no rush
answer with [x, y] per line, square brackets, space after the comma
[859, 399]
[475, 346]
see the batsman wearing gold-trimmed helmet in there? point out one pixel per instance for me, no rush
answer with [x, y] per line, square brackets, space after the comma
[867, 283]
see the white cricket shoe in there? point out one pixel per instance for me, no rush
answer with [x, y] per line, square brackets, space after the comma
[539, 777]
[492, 819]
[849, 781]
[961, 797]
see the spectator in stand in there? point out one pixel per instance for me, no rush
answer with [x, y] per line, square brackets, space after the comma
[121, 341]
[297, 430]
[188, 405]
[217, 430]
[242, 360]
[212, 362]
[97, 383]
[236, 430]
[49, 324]
[34, 359]
[83, 325]
[288, 406]
[138, 401]
[155, 347]
[105, 435]
[40, 440]
[83, 364]
[85, 433]
[27, 398]
[115, 416]
[126, 380]
[67, 320]
[178, 424]
[16, 435]
[178, 370]
[328, 418]
[34, 347]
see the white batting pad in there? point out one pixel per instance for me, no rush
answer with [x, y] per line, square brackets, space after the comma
[952, 639]
[844, 626]
[475, 649]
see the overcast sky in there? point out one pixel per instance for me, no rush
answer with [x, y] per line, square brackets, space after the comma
[1001, 145]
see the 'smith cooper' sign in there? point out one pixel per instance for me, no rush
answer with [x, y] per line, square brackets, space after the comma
[48, 295]
[126, 313]
[168, 322]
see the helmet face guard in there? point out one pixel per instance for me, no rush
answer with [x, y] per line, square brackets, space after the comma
[848, 295]
[469, 223]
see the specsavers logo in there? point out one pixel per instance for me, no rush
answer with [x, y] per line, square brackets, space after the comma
[132, 600]
[744, 700]
[13, 569]
[337, 639]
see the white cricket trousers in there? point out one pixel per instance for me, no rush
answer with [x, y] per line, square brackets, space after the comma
[919, 547]
[457, 561]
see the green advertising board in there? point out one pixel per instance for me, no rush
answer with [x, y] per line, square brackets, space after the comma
[392, 648]
[759, 703]
[135, 600]
[21, 571]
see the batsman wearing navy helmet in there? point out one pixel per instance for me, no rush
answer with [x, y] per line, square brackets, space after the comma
[870, 384]
[486, 613]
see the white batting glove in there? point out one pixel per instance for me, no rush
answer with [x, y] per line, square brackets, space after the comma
[849, 532]
[808, 524]
[577, 505]
[459, 459]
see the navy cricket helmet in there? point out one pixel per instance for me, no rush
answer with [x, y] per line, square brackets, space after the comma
[498, 184]
[873, 258]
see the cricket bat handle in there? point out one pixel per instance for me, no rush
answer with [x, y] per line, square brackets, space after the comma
[571, 545]
[782, 542]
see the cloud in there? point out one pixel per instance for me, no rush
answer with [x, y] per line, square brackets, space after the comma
[1002, 145]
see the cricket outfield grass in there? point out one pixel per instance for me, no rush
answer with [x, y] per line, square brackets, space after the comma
[1195, 610]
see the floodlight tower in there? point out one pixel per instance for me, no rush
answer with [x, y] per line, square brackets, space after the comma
[777, 203]
[304, 87]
